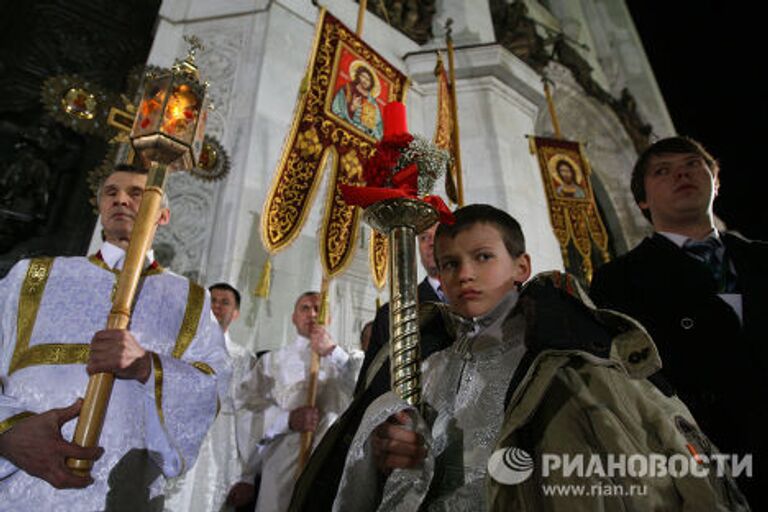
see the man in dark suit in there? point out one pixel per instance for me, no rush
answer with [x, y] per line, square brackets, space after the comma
[701, 294]
[428, 291]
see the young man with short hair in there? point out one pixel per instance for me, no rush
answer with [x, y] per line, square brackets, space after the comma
[531, 367]
[702, 294]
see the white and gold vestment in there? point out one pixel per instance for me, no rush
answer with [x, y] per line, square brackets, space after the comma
[278, 386]
[49, 310]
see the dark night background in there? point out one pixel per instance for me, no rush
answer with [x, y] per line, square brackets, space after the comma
[706, 57]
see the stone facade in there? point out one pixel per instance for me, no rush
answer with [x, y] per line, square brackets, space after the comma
[255, 57]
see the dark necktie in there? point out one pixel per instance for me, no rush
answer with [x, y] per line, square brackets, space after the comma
[711, 252]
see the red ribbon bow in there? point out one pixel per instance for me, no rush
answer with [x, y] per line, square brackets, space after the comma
[404, 185]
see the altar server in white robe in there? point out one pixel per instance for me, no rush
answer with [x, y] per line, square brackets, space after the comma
[170, 366]
[223, 476]
[277, 393]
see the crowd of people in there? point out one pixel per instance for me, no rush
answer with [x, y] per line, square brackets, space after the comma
[522, 376]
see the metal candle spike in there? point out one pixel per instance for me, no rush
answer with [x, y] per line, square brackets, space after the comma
[167, 135]
[402, 219]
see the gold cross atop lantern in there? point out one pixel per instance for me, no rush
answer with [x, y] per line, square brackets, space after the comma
[167, 135]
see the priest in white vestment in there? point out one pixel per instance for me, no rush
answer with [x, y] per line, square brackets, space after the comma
[170, 366]
[277, 393]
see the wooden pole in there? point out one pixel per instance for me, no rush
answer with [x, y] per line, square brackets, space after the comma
[314, 369]
[360, 17]
[454, 115]
[91, 419]
[551, 107]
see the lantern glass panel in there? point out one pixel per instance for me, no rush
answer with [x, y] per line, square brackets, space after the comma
[151, 107]
[181, 113]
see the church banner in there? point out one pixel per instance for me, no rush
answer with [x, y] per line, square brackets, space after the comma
[338, 117]
[573, 212]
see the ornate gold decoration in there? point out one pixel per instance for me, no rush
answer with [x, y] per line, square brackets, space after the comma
[32, 290]
[316, 134]
[77, 103]
[8, 423]
[573, 212]
[308, 143]
[29, 303]
[213, 164]
[378, 248]
[192, 313]
[53, 353]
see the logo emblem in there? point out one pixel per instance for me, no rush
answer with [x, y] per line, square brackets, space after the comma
[510, 466]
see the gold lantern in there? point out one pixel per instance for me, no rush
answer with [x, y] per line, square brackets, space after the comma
[170, 120]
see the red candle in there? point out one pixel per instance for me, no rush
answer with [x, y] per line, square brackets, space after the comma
[395, 122]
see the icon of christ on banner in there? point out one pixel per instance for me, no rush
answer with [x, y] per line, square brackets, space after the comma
[359, 93]
[567, 178]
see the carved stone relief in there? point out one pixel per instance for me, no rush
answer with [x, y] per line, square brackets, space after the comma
[517, 32]
[411, 17]
[193, 202]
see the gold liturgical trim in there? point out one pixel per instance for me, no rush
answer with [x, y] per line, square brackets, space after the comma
[8, 423]
[192, 313]
[30, 295]
[158, 370]
[53, 353]
[321, 130]
[203, 367]
[573, 212]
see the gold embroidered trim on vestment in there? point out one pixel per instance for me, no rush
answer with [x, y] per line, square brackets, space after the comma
[30, 296]
[53, 353]
[192, 314]
[158, 367]
[203, 368]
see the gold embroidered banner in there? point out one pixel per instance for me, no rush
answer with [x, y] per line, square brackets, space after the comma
[378, 254]
[575, 218]
[444, 127]
[339, 115]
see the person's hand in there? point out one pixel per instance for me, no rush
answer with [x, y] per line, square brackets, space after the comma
[320, 341]
[304, 419]
[117, 351]
[241, 494]
[35, 446]
[397, 447]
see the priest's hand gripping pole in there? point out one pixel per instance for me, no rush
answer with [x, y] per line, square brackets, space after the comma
[167, 134]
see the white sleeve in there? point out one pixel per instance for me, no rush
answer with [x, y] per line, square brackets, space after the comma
[12, 410]
[184, 396]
